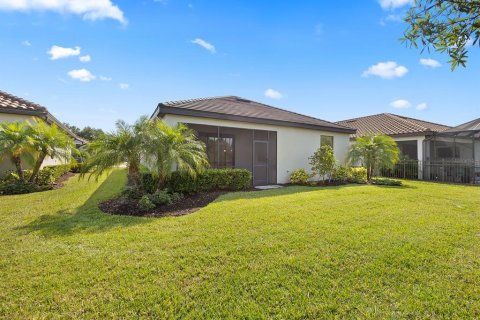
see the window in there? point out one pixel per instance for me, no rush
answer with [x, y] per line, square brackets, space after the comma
[326, 141]
[220, 150]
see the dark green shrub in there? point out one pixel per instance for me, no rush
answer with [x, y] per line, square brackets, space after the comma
[299, 176]
[148, 182]
[386, 182]
[211, 179]
[18, 187]
[340, 174]
[161, 198]
[176, 197]
[49, 174]
[131, 192]
[357, 175]
[75, 167]
[145, 204]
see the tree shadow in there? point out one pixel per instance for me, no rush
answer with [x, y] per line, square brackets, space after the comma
[87, 218]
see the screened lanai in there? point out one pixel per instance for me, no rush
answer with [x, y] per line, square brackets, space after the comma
[454, 155]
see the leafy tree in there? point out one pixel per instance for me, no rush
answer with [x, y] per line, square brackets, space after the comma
[374, 152]
[125, 145]
[49, 141]
[170, 148]
[323, 162]
[87, 133]
[449, 26]
[15, 144]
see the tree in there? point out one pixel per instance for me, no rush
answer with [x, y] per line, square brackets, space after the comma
[323, 162]
[173, 148]
[87, 133]
[374, 152]
[125, 145]
[15, 144]
[449, 26]
[49, 141]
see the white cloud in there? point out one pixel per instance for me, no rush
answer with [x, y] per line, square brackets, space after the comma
[81, 74]
[57, 52]
[273, 94]
[400, 104]
[103, 78]
[422, 106]
[88, 9]
[393, 4]
[431, 63]
[386, 70]
[124, 86]
[26, 43]
[85, 58]
[204, 44]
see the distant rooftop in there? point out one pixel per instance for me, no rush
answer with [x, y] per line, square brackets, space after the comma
[392, 125]
[240, 109]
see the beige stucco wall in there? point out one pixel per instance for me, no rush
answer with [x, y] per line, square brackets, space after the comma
[294, 145]
[5, 164]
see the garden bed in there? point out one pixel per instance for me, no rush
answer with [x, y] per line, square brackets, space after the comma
[188, 204]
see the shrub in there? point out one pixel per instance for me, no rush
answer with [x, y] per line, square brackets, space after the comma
[176, 197]
[49, 174]
[18, 187]
[131, 192]
[386, 182]
[299, 176]
[341, 174]
[148, 183]
[211, 179]
[161, 198]
[323, 162]
[75, 167]
[357, 175]
[145, 204]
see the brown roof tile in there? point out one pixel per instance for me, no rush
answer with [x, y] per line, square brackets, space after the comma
[9, 102]
[239, 109]
[391, 124]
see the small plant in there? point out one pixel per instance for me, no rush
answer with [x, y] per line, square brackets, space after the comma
[299, 176]
[323, 162]
[20, 187]
[145, 204]
[341, 174]
[161, 198]
[176, 197]
[386, 182]
[131, 192]
[357, 175]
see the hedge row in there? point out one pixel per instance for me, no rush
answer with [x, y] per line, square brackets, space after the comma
[208, 180]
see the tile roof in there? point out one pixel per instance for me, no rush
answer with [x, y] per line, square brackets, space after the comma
[471, 126]
[391, 124]
[240, 109]
[14, 104]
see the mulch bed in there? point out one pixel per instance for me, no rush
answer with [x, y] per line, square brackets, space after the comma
[189, 204]
[59, 183]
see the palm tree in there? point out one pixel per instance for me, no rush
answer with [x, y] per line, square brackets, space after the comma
[15, 144]
[373, 152]
[173, 148]
[125, 145]
[49, 141]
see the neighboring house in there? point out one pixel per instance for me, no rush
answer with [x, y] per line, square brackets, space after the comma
[268, 141]
[409, 133]
[13, 109]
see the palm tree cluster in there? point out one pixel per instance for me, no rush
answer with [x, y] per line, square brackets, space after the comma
[25, 142]
[150, 143]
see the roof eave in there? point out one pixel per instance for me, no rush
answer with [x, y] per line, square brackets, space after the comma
[162, 110]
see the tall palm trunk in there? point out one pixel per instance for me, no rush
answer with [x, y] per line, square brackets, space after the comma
[134, 174]
[36, 169]
[18, 165]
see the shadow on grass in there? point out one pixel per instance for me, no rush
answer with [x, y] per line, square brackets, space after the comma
[87, 218]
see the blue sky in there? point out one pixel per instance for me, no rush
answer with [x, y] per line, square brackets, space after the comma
[329, 59]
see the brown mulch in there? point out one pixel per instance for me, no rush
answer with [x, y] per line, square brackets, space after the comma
[189, 204]
[59, 183]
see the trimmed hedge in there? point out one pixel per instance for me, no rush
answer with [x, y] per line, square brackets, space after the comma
[49, 174]
[357, 175]
[210, 179]
[17, 187]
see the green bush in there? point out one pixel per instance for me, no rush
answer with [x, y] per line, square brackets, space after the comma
[341, 174]
[17, 187]
[145, 204]
[131, 192]
[386, 182]
[75, 167]
[211, 179]
[357, 175]
[49, 174]
[299, 176]
[161, 198]
[148, 182]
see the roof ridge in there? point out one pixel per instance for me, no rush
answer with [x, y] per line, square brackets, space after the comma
[363, 117]
[22, 100]
[194, 100]
[407, 120]
[430, 122]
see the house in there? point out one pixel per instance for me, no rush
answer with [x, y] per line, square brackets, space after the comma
[268, 141]
[13, 109]
[409, 133]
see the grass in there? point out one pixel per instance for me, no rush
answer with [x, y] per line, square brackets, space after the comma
[297, 252]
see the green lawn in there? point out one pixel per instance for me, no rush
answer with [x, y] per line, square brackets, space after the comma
[298, 252]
